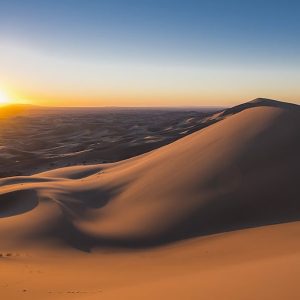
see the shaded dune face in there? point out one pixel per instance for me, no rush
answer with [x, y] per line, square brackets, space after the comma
[240, 172]
[17, 202]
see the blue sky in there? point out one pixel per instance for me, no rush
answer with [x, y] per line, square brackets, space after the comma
[150, 52]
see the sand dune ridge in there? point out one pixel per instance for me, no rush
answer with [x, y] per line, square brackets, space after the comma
[240, 172]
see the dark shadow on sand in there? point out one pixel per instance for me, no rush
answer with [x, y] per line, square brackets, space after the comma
[17, 202]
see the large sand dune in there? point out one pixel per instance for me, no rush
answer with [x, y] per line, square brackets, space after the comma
[239, 173]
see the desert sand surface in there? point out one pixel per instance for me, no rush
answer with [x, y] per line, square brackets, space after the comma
[35, 139]
[213, 215]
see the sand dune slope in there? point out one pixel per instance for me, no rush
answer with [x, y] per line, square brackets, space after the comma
[63, 233]
[240, 172]
[260, 263]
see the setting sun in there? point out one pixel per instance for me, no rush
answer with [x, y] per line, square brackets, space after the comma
[4, 99]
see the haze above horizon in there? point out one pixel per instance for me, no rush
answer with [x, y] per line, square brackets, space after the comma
[149, 53]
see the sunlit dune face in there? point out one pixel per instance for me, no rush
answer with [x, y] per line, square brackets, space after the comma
[4, 99]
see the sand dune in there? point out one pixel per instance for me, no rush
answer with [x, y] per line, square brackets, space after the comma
[37, 139]
[260, 263]
[241, 172]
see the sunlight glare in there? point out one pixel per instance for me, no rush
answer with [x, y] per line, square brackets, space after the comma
[4, 99]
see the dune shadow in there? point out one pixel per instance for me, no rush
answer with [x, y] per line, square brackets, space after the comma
[17, 202]
[245, 208]
[78, 205]
[229, 212]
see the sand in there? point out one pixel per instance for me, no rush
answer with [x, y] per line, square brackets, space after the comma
[259, 263]
[213, 215]
[36, 139]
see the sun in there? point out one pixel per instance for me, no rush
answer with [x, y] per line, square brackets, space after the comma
[4, 99]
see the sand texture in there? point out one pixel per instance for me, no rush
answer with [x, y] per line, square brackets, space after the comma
[213, 215]
[34, 139]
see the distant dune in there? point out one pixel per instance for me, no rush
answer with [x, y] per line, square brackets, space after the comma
[208, 187]
[36, 139]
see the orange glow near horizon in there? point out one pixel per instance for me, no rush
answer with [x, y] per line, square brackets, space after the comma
[60, 81]
[168, 95]
[126, 98]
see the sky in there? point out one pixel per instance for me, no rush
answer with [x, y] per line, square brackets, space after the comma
[149, 53]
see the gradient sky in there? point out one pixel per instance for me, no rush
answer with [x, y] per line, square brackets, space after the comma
[149, 53]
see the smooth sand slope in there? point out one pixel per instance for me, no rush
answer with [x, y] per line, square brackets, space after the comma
[242, 172]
